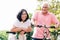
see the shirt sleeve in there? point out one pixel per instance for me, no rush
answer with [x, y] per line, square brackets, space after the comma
[16, 23]
[35, 15]
[55, 20]
[29, 23]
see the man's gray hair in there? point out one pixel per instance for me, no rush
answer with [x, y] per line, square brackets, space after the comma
[44, 4]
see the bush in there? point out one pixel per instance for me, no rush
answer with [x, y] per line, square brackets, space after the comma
[3, 35]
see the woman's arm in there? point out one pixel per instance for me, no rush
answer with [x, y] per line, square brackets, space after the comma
[15, 29]
[29, 29]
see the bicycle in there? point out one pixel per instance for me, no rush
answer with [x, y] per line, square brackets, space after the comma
[45, 32]
[15, 33]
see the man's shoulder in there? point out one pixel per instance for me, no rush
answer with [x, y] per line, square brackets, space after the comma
[37, 12]
[51, 14]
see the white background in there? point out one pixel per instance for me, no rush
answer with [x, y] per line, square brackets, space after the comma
[10, 8]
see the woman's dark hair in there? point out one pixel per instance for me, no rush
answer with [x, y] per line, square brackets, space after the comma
[20, 14]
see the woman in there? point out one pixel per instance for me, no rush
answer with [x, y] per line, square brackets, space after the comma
[21, 25]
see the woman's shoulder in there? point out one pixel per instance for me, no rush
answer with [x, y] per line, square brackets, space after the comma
[16, 21]
[28, 20]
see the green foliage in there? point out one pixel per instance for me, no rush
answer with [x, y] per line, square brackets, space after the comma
[30, 15]
[29, 35]
[54, 7]
[39, 0]
[3, 35]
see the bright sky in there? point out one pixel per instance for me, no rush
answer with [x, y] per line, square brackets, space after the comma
[10, 8]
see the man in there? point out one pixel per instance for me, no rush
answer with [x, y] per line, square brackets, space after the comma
[43, 17]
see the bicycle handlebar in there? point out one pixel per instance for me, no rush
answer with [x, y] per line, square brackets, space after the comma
[45, 26]
[11, 32]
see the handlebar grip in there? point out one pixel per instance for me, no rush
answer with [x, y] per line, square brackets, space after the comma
[52, 26]
[39, 26]
[11, 32]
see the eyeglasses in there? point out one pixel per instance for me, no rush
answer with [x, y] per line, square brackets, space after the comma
[45, 7]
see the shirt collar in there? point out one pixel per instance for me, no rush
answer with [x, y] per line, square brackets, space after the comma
[46, 14]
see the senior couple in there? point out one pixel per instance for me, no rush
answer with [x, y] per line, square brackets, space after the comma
[23, 24]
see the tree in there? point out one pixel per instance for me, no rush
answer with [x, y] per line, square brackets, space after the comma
[54, 7]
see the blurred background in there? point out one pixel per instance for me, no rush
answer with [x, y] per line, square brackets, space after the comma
[10, 8]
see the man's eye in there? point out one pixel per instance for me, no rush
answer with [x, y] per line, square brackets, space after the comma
[44, 7]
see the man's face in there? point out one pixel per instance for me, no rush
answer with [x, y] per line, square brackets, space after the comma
[45, 8]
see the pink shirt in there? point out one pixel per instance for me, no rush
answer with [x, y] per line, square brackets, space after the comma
[41, 19]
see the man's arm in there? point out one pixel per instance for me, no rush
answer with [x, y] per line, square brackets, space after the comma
[34, 18]
[55, 21]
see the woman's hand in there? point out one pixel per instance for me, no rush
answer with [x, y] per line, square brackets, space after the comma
[16, 29]
[29, 29]
[22, 32]
[24, 29]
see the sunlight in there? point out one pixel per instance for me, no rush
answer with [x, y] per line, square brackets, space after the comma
[10, 8]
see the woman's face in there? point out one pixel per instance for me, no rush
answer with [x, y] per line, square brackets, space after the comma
[24, 15]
